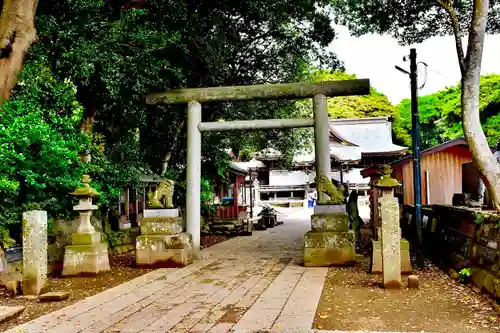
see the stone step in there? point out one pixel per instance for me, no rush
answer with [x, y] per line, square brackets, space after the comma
[8, 312]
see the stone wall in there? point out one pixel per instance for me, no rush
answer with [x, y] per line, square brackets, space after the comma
[456, 238]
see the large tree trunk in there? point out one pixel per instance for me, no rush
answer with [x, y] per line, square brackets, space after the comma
[483, 158]
[17, 33]
[166, 161]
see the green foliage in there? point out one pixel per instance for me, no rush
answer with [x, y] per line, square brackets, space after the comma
[39, 146]
[410, 21]
[207, 198]
[115, 238]
[374, 104]
[479, 219]
[116, 53]
[440, 113]
[464, 274]
[94, 62]
[5, 240]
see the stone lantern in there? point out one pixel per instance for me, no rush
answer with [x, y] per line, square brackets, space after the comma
[87, 254]
[391, 231]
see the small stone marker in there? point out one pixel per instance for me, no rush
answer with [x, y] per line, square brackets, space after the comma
[34, 251]
[7, 312]
[391, 232]
[413, 282]
[54, 296]
[13, 287]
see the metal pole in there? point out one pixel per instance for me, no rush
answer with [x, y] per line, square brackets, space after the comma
[321, 139]
[193, 174]
[417, 181]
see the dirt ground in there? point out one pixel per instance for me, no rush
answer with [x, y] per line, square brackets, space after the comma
[353, 300]
[122, 270]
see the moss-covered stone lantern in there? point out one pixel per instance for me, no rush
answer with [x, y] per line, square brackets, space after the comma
[87, 254]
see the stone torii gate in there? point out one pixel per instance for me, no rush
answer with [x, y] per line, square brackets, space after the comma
[319, 91]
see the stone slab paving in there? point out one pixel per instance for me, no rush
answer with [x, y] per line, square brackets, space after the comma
[246, 284]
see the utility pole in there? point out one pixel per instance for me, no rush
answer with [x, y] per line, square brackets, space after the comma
[415, 125]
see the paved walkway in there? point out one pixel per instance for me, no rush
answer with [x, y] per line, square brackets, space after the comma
[245, 284]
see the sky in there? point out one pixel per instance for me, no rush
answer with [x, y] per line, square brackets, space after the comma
[374, 57]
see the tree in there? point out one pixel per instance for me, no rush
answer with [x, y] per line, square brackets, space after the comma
[414, 21]
[374, 104]
[17, 33]
[115, 53]
[440, 113]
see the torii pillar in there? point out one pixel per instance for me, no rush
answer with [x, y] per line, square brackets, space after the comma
[319, 91]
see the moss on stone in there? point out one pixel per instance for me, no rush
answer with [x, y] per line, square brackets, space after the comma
[85, 238]
[325, 186]
[328, 239]
[330, 222]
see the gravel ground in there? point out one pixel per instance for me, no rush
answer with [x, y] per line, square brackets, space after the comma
[122, 270]
[353, 300]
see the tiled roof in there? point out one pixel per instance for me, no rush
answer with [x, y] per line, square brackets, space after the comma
[351, 139]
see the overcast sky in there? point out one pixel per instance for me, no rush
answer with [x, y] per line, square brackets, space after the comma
[374, 57]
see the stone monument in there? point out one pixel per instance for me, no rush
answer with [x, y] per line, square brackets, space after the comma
[34, 252]
[162, 242]
[376, 265]
[330, 242]
[391, 231]
[87, 254]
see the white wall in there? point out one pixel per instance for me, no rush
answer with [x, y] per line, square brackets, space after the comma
[353, 177]
[285, 177]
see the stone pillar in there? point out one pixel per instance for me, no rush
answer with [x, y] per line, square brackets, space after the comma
[193, 213]
[87, 254]
[321, 140]
[391, 231]
[330, 242]
[34, 251]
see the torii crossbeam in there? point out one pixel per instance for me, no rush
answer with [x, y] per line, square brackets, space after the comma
[319, 91]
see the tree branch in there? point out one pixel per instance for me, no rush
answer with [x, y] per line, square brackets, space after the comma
[448, 7]
[477, 31]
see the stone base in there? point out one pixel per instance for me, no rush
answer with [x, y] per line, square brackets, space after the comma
[329, 248]
[173, 212]
[164, 250]
[330, 222]
[329, 209]
[162, 225]
[79, 238]
[85, 259]
[376, 259]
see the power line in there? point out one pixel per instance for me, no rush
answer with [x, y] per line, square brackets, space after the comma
[442, 74]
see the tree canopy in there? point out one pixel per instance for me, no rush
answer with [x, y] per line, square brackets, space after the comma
[374, 104]
[440, 113]
[84, 81]
[410, 21]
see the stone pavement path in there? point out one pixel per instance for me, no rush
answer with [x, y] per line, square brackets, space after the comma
[245, 284]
